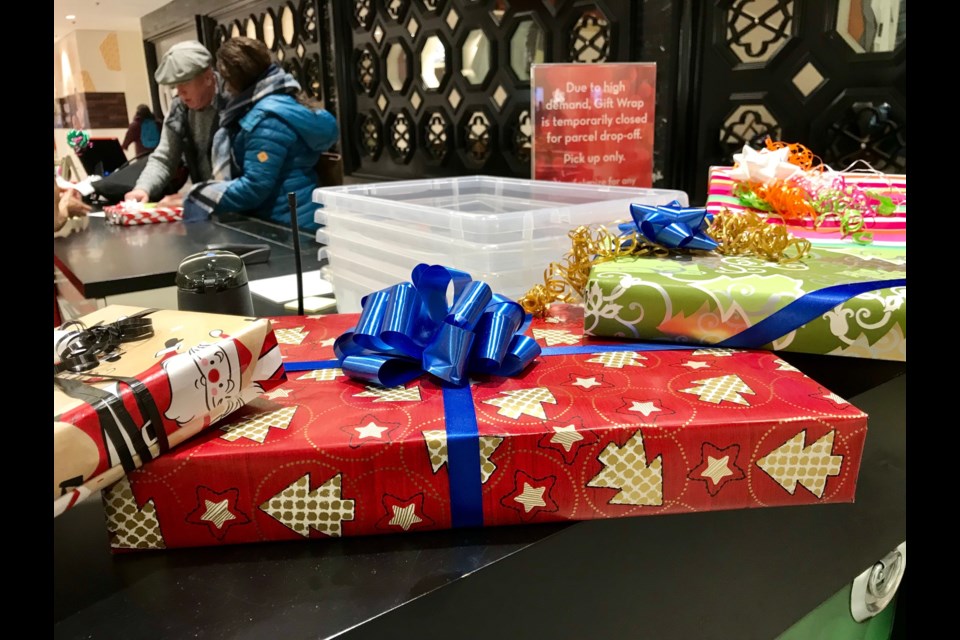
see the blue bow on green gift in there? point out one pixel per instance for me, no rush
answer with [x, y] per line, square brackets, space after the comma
[410, 329]
[672, 225]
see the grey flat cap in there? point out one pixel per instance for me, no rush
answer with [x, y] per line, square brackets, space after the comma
[184, 61]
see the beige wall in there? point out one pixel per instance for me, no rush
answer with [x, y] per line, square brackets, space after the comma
[100, 61]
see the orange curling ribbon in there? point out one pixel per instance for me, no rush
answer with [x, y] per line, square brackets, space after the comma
[815, 195]
[799, 154]
[787, 200]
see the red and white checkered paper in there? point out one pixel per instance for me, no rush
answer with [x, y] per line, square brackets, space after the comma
[129, 213]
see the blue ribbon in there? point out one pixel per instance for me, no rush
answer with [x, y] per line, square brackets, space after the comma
[463, 457]
[801, 311]
[672, 225]
[409, 329]
[463, 434]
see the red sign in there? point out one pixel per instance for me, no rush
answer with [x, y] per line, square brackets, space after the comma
[594, 122]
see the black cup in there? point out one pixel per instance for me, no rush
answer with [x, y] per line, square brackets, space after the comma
[214, 282]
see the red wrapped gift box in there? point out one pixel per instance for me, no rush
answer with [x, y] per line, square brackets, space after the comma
[129, 213]
[587, 431]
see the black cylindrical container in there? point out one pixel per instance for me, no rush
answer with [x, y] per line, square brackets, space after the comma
[214, 282]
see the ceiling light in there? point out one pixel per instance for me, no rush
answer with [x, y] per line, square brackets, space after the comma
[71, 17]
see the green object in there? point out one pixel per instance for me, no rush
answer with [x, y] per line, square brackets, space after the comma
[707, 298]
[832, 621]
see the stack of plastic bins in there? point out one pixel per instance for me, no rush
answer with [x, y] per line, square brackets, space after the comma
[502, 231]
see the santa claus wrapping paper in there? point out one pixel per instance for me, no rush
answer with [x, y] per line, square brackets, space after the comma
[383, 428]
[131, 383]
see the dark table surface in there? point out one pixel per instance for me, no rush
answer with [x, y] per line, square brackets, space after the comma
[725, 574]
[108, 259]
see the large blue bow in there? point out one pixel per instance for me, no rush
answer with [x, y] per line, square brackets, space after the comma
[409, 329]
[673, 225]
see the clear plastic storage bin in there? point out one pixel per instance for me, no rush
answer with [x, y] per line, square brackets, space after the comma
[404, 247]
[483, 209]
[355, 275]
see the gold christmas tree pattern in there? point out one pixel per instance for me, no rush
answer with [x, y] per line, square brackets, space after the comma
[723, 388]
[625, 468]
[791, 463]
[258, 426]
[436, 441]
[619, 359]
[291, 336]
[514, 404]
[300, 509]
[322, 375]
[131, 526]
[556, 336]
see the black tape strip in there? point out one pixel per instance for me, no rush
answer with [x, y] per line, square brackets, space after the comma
[149, 410]
[113, 417]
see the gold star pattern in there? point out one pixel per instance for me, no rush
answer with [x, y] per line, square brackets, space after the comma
[829, 396]
[404, 517]
[646, 408]
[405, 513]
[566, 436]
[651, 409]
[280, 392]
[586, 383]
[371, 430]
[783, 365]
[695, 364]
[531, 497]
[717, 467]
[217, 512]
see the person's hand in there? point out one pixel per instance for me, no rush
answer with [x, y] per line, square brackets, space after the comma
[70, 206]
[137, 194]
[173, 200]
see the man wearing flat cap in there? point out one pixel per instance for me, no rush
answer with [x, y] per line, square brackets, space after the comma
[189, 127]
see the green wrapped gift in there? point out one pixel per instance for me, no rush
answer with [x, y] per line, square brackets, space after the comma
[849, 301]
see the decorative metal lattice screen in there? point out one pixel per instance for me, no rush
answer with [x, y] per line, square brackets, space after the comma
[433, 88]
[830, 75]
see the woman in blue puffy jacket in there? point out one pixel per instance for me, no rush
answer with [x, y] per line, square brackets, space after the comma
[268, 144]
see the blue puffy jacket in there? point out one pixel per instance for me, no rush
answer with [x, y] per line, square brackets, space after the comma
[276, 150]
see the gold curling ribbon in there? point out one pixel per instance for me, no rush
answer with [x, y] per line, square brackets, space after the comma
[737, 234]
[746, 233]
[565, 281]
